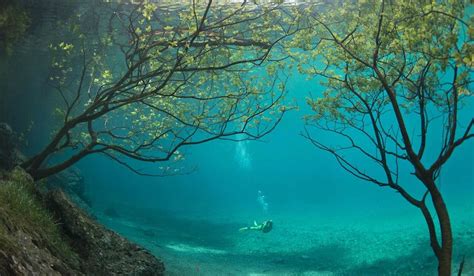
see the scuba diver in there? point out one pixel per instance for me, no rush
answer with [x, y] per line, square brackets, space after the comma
[265, 226]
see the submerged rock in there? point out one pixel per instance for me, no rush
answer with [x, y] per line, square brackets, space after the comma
[72, 182]
[7, 147]
[10, 155]
[31, 259]
[102, 251]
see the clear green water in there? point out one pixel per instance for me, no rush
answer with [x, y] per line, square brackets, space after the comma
[325, 221]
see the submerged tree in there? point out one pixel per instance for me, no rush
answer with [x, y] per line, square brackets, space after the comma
[151, 79]
[396, 74]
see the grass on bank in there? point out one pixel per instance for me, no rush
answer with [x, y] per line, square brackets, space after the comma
[21, 210]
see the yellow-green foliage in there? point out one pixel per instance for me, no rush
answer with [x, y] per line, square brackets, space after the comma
[184, 81]
[21, 210]
[413, 38]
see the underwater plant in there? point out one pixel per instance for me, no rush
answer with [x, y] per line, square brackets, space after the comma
[396, 75]
[139, 81]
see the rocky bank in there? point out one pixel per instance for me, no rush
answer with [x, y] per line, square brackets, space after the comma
[57, 238]
[45, 233]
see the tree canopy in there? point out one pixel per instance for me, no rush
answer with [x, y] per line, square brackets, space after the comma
[385, 68]
[153, 78]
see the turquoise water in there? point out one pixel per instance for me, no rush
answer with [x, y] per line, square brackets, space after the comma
[326, 222]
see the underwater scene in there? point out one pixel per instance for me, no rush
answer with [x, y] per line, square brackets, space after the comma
[235, 137]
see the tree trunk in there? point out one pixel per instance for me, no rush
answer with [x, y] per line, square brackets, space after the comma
[444, 255]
